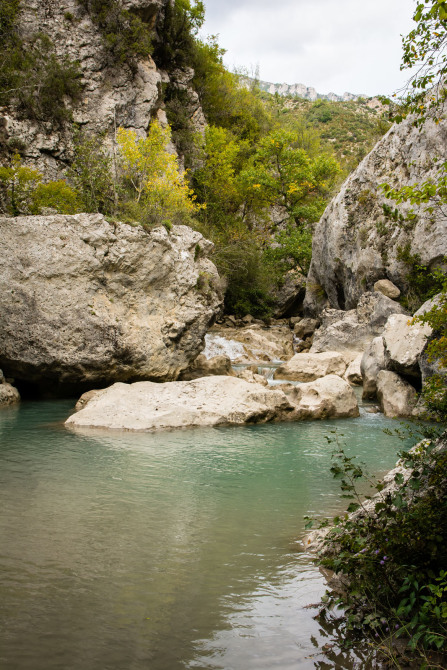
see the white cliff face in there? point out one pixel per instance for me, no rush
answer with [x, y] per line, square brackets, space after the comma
[306, 92]
[114, 94]
[85, 302]
[357, 241]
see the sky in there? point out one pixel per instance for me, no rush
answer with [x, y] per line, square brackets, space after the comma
[332, 45]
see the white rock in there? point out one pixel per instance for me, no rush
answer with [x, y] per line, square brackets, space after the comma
[353, 330]
[353, 374]
[84, 301]
[397, 398]
[330, 397]
[208, 401]
[308, 367]
[373, 361]
[404, 343]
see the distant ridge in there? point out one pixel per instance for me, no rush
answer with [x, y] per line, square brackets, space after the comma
[306, 92]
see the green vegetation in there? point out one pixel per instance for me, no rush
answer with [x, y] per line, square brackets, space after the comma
[31, 76]
[392, 556]
[125, 35]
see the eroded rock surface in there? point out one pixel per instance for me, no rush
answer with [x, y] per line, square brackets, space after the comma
[357, 240]
[327, 398]
[404, 343]
[353, 330]
[308, 367]
[208, 401]
[85, 302]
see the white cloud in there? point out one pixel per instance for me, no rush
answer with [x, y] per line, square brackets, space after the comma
[332, 45]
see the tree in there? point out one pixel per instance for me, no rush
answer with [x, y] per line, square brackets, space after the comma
[156, 188]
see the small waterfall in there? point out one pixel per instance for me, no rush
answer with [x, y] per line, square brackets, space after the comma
[216, 345]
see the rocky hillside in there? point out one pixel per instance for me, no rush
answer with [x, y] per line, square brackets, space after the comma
[362, 237]
[97, 56]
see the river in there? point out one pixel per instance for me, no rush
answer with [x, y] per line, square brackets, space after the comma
[167, 551]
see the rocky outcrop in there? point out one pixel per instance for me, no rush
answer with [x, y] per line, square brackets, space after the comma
[290, 296]
[327, 398]
[85, 302]
[353, 330]
[115, 93]
[397, 398]
[302, 91]
[308, 367]
[358, 238]
[209, 401]
[353, 374]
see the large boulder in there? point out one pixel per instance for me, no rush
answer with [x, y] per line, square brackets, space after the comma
[353, 374]
[397, 398]
[327, 398]
[352, 331]
[404, 342]
[373, 361]
[308, 367]
[208, 401]
[85, 302]
[360, 237]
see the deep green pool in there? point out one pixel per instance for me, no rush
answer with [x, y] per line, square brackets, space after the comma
[165, 551]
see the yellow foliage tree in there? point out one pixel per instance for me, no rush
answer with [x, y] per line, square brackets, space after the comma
[159, 192]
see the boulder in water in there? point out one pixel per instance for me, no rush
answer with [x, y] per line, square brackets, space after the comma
[308, 367]
[330, 397]
[397, 398]
[208, 401]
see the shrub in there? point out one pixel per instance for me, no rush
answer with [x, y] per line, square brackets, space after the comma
[91, 173]
[23, 192]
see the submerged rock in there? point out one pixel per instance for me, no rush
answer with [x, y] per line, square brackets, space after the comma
[308, 367]
[85, 302]
[208, 401]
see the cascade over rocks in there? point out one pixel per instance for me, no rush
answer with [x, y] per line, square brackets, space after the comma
[85, 302]
[357, 241]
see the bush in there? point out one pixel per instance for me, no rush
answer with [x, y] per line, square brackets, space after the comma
[91, 174]
[23, 192]
[393, 554]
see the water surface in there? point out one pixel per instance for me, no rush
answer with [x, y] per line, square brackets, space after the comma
[166, 551]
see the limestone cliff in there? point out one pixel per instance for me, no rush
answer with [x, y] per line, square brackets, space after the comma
[115, 92]
[85, 303]
[360, 237]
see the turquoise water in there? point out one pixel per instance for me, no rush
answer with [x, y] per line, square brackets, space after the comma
[166, 551]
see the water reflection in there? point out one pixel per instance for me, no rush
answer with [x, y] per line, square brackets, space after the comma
[164, 551]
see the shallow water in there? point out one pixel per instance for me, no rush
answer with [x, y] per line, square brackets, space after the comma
[166, 551]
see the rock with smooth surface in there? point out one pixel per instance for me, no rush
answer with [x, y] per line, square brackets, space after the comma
[329, 397]
[397, 398]
[404, 342]
[354, 329]
[305, 328]
[308, 367]
[85, 302]
[208, 401]
[9, 395]
[373, 361]
[388, 289]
